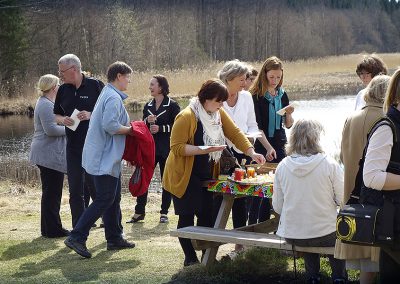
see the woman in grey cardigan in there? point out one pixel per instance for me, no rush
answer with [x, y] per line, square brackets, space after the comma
[48, 153]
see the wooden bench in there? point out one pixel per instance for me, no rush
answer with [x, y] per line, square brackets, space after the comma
[214, 237]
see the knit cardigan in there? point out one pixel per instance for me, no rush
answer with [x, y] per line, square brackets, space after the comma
[178, 168]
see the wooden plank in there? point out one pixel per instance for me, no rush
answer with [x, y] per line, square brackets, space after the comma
[244, 238]
[202, 245]
[268, 226]
[220, 222]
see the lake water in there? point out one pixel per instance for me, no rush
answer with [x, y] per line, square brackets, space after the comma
[16, 131]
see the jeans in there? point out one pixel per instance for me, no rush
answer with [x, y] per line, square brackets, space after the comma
[312, 261]
[141, 201]
[89, 191]
[106, 204]
[52, 185]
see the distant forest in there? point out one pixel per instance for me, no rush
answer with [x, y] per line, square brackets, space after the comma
[173, 34]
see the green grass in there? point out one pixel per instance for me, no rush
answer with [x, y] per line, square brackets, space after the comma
[26, 257]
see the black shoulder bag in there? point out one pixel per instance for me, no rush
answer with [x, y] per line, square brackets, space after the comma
[370, 221]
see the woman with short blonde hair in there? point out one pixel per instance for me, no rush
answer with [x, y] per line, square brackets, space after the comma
[376, 89]
[49, 155]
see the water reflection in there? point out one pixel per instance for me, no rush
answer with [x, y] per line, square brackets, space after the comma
[16, 131]
[332, 113]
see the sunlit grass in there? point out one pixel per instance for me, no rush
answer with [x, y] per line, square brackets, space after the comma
[27, 257]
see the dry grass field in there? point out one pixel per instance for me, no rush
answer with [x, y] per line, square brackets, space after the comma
[303, 79]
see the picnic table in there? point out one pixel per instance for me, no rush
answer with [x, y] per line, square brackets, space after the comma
[253, 235]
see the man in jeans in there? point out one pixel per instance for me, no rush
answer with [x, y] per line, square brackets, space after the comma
[81, 93]
[101, 158]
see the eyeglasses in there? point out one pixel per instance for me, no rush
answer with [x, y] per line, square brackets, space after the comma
[363, 73]
[63, 71]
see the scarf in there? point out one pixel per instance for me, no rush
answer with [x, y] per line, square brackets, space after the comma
[275, 104]
[212, 127]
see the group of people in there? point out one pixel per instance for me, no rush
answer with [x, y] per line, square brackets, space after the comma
[308, 187]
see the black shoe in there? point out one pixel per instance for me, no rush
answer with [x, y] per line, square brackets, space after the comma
[120, 244]
[78, 247]
[189, 262]
[163, 218]
[136, 219]
[60, 234]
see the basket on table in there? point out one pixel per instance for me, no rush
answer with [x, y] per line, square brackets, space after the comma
[264, 169]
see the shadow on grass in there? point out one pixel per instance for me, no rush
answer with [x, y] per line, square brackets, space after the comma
[72, 266]
[75, 268]
[138, 231]
[25, 249]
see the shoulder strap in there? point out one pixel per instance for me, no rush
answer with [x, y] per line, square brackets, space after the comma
[378, 123]
[355, 194]
[383, 121]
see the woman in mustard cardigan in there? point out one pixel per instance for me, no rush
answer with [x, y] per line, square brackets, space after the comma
[203, 122]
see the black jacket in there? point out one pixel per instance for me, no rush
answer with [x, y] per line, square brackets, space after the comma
[166, 114]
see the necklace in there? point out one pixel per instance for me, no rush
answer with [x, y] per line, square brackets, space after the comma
[232, 100]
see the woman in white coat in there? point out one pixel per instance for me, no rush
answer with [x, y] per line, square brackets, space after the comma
[308, 187]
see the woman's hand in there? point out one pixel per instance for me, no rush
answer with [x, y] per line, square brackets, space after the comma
[214, 149]
[271, 154]
[67, 121]
[260, 159]
[154, 128]
[151, 119]
[289, 109]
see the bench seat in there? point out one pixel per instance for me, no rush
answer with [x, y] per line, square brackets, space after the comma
[220, 236]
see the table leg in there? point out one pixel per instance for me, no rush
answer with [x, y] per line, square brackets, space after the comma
[220, 223]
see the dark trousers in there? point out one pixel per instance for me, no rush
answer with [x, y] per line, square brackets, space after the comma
[239, 217]
[52, 185]
[76, 180]
[389, 269]
[205, 220]
[312, 260]
[141, 201]
[258, 208]
[106, 204]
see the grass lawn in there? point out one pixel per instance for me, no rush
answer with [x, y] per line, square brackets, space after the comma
[26, 257]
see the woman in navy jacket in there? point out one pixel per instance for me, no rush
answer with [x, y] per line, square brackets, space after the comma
[159, 115]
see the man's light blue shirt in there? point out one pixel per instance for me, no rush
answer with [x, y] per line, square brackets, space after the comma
[103, 149]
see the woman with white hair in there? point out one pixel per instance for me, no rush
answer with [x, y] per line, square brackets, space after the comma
[308, 187]
[48, 153]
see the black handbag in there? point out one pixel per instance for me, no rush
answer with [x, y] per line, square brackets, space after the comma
[364, 224]
[227, 162]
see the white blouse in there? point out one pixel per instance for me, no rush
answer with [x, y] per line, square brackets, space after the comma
[378, 157]
[243, 114]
